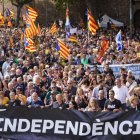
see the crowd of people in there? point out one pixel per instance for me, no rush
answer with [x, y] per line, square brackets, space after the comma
[43, 79]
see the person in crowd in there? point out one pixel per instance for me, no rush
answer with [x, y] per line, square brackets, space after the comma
[4, 100]
[13, 101]
[130, 84]
[71, 89]
[100, 86]
[35, 102]
[134, 103]
[59, 103]
[101, 99]
[53, 90]
[112, 104]
[121, 93]
[92, 105]
[72, 105]
[20, 96]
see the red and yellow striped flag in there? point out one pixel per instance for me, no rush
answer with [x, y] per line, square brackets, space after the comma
[73, 39]
[31, 12]
[29, 45]
[62, 48]
[104, 47]
[31, 30]
[92, 25]
[53, 28]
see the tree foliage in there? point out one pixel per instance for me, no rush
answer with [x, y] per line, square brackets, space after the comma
[62, 4]
[19, 4]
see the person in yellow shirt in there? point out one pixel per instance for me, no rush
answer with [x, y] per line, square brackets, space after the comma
[3, 100]
[20, 96]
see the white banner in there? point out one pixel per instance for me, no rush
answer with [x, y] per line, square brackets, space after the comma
[135, 68]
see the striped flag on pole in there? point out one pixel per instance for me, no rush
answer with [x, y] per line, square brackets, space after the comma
[62, 48]
[67, 24]
[53, 28]
[29, 44]
[31, 12]
[31, 30]
[92, 25]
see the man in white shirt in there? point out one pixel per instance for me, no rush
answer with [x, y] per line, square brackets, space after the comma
[121, 92]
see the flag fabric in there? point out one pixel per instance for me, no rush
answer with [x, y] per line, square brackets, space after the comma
[119, 41]
[9, 13]
[27, 19]
[104, 47]
[62, 48]
[92, 25]
[10, 23]
[29, 44]
[71, 37]
[11, 42]
[39, 29]
[31, 12]
[1, 20]
[53, 29]
[67, 24]
[31, 30]
[22, 34]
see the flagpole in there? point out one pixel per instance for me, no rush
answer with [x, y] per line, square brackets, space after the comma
[3, 7]
[88, 28]
[131, 18]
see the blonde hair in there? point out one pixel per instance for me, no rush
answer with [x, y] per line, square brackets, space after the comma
[132, 98]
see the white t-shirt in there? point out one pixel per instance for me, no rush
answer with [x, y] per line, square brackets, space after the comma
[121, 93]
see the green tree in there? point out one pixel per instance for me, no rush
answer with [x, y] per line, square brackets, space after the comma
[19, 4]
[62, 4]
